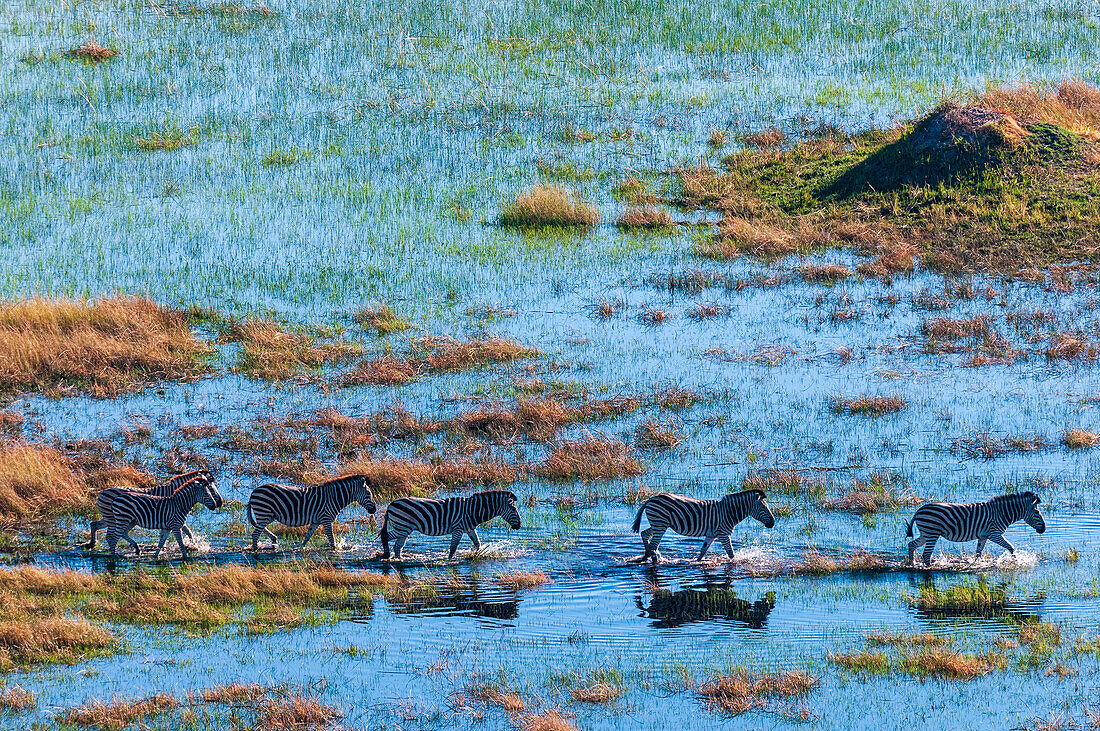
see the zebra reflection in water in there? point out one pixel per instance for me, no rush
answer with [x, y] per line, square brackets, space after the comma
[704, 604]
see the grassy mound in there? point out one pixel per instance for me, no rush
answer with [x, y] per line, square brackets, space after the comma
[1009, 180]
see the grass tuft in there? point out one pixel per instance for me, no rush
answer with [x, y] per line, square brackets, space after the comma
[1080, 438]
[91, 52]
[549, 205]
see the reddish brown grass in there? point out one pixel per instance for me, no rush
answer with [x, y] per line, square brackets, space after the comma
[50, 639]
[118, 714]
[510, 702]
[590, 459]
[1074, 105]
[523, 579]
[652, 434]
[743, 691]
[1080, 438]
[596, 693]
[824, 272]
[769, 139]
[104, 347]
[941, 663]
[295, 713]
[867, 405]
[269, 352]
[92, 52]
[242, 694]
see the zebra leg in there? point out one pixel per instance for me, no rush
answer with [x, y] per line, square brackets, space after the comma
[1000, 541]
[126, 534]
[914, 545]
[179, 540]
[455, 538]
[474, 538]
[725, 542]
[398, 544]
[929, 544]
[96, 525]
[160, 546]
[655, 544]
[331, 538]
[706, 547]
[312, 530]
[645, 541]
[187, 532]
[981, 548]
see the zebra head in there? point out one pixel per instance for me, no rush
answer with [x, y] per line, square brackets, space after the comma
[759, 509]
[510, 513]
[211, 498]
[361, 489]
[1032, 516]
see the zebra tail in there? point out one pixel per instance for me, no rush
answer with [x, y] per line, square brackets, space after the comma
[384, 534]
[248, 515]
[638, 518]
[909, 528]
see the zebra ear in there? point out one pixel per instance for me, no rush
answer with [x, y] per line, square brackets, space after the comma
[512, 496]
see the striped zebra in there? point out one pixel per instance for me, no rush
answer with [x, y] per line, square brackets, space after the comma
[985, 521]
[166, 514]
[313, 506]
[452, 516]
[712, 519]
[106, 499]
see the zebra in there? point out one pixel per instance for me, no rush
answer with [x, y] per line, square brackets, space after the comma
[166, 514]
[690, 517]
[986, 521]
[454, 516]
[313, 506]
[106, 499]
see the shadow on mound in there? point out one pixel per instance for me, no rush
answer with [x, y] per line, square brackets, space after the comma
[953, 142]
[676, 608]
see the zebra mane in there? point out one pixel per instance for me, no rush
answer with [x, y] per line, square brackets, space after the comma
[758, 493]
[334, 480]
[196, 479]
[1019, 501]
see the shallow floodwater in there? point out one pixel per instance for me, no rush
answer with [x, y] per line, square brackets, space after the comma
[411, 125]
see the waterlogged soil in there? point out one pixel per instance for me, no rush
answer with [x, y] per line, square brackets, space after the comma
[403, 131]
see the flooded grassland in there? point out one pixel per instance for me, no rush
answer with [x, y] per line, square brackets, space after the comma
[585, 253]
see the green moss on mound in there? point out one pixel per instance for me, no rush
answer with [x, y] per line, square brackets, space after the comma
[965, 187]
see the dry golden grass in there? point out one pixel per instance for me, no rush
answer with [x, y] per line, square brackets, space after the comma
[118, 714]
[434, 354]
[652, 434]
[523, 579]
[549, 205]
[769, 139]
[707, 311]
[407, 477]
[16, 699]
[295, 713]
[1066, 346]
[590, 459]
[743, 691]
[947, 664]
[510, 702]
[546, 721]
[644, 217]
[1080, 438]
[37, 482]
[269, 352]
[92, 52]
[737, 236]
[596, 693]
[718, 138]
[1074, 105]
[105, 347]
[824, 272]
[381, 319]
[897, 258]
[50, 639]
[867, 405]
[243, 694]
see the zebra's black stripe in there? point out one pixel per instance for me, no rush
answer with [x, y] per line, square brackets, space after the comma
[313, 506]
[453, 516]
[712, 519]
[985, 521]
[106, 499]
[166, 514]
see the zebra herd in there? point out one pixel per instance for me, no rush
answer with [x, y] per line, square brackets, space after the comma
[166, 507]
